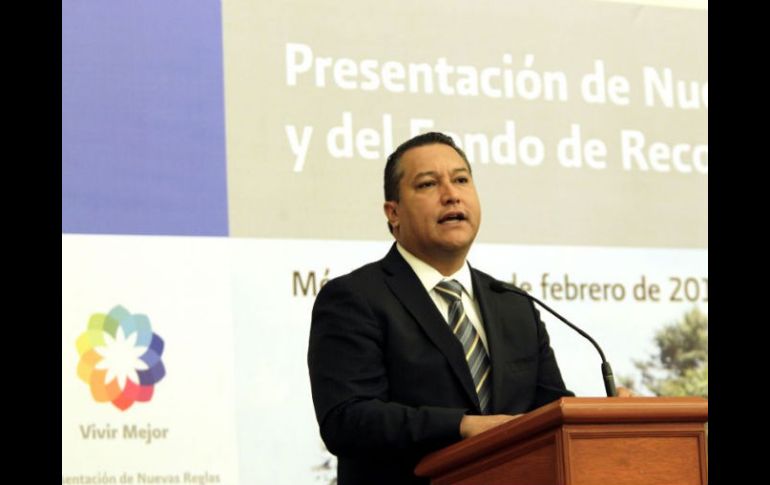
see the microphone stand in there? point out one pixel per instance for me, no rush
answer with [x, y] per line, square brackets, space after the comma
[609, 380]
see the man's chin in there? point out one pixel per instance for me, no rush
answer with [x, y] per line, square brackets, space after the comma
[456, 244]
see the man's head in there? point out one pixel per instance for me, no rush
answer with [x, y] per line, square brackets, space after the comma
[430, 199]
[393, 172]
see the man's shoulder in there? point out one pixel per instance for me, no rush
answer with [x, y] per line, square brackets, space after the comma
[373, 272]
[358, 280]
[363, 273]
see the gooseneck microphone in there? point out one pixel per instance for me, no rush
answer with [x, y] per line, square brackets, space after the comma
[609, 380]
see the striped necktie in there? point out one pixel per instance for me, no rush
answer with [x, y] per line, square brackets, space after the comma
[475, 354]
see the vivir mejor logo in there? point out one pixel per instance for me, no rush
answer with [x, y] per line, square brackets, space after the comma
[120, 357]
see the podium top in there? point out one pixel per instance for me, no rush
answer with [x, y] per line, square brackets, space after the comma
[565, 411]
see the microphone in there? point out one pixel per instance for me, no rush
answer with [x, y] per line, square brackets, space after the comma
[609, 380]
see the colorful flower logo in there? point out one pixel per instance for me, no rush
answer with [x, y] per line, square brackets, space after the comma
[120, 357]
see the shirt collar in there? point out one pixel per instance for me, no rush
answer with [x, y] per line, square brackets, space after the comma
[430, 276]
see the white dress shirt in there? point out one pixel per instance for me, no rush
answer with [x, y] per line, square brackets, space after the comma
[430, 277]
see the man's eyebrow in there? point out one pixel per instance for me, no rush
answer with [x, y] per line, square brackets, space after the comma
[422, 174]
[435, 174]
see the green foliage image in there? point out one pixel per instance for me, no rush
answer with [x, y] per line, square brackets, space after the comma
[680, 367]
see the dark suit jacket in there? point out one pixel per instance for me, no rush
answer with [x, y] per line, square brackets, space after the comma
[389, 379]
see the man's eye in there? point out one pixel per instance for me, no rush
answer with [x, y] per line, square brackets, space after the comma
[423, 185]
[462, 180]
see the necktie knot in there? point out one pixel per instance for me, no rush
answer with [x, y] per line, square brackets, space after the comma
[450, 290]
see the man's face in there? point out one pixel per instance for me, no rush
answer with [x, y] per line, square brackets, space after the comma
[438, 213]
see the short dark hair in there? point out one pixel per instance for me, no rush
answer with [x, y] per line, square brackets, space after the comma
[393, 174]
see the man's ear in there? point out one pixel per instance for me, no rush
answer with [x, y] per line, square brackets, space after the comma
[391, 212]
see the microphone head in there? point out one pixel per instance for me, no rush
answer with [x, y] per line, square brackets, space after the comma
[497, 286]
[502, 287]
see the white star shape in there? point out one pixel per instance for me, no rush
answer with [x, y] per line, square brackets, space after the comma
[120, 358]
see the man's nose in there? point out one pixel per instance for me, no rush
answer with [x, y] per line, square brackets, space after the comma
[449, 193]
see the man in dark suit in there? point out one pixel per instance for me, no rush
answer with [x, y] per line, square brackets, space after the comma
[414, 352]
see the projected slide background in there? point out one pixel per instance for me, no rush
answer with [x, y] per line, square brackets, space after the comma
[222, 160]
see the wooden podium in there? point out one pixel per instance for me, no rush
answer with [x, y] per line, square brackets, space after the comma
[584, 441]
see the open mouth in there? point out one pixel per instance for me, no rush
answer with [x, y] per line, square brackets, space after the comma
[451, 217]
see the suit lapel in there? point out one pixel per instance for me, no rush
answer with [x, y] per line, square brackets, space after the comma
[407, 288]
[490, 315]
